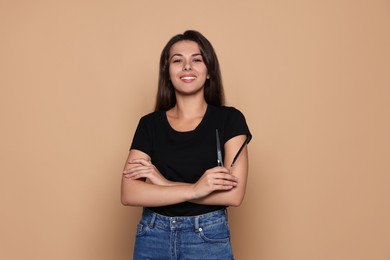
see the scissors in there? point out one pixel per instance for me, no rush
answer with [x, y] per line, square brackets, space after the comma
[219, 151]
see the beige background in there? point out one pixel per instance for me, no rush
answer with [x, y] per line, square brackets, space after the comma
[312, 78]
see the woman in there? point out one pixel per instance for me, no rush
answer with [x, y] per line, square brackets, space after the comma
[174, 149]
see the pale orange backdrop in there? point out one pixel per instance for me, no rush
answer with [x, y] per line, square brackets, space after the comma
[312, 78]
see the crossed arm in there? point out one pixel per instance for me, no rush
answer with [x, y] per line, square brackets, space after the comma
[217, 186]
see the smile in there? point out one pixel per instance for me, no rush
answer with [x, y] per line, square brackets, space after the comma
[188, 78]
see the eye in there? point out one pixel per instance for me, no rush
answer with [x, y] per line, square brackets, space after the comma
[176, 60]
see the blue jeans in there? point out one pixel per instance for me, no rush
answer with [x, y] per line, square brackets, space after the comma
[169, 238]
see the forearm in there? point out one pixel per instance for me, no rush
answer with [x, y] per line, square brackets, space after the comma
[139, 193]
[231, 197]
[234, 196]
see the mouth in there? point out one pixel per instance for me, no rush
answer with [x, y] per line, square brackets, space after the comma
[188, 78]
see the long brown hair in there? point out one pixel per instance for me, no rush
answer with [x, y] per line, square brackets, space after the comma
[213, 88]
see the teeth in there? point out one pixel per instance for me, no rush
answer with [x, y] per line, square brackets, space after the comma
[188, 78]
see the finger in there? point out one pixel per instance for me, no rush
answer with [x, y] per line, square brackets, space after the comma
[225, 176]
[140, 158]
[141, 161]
[136, 168]
[221, 169]
[139, 171]
[225, 183]
[135, 175]
[223, 187]
[138, 174]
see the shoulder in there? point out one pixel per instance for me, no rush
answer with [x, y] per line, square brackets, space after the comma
[151, 117]
[231, 121]
[227, 111]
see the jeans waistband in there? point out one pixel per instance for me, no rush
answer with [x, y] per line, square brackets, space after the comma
[181, 223]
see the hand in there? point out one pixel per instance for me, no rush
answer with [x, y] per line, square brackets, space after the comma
[214, 179]
[144, 169]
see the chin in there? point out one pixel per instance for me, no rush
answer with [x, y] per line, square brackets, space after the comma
[189, 92]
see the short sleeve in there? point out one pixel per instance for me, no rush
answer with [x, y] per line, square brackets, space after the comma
[236, 125]
[142, 139]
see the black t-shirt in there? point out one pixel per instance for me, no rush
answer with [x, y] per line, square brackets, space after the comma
[185, 156]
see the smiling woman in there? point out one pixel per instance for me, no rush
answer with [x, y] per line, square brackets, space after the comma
[174, 149]
[213, 88]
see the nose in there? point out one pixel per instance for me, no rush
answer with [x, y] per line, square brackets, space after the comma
[187, 66]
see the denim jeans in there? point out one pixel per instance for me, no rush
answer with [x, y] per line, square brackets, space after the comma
[169, 238]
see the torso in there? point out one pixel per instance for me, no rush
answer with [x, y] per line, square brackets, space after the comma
[183, 150]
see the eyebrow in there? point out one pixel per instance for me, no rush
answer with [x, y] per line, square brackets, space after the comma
[181, 55]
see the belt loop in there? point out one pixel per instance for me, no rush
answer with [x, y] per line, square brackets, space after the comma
[150, 225]
[197, 228]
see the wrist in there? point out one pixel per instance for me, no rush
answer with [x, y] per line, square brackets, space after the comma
[192, 194]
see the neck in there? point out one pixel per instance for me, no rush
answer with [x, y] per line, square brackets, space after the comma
[187, 107]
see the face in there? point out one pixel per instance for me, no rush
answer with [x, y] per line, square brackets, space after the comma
[187, 69]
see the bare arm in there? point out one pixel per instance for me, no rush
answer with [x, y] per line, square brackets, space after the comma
[139, 193]
[232, 197]
[136, 192]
